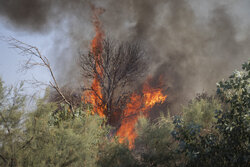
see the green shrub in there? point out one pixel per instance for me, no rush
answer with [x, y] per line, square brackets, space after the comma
[154, 144]
[72, 142]
[201, 112]
[12, 103]
[228, 146]
[114, 154]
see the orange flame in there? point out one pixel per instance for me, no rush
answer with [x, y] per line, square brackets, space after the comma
[94, 96]
[138, 105]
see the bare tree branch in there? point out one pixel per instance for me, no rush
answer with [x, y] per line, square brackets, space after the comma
[35, 58]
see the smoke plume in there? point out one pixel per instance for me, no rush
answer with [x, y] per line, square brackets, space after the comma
[192, 44]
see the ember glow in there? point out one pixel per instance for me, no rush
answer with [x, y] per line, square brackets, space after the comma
[138, 105]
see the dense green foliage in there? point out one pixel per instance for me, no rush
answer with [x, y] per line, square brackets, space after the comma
[41, 141]
[114, 154]
[227, 144]
[201, 111]
[154, 143]
[11, 133]
[234, 121]
[73, 142]
[211, 131]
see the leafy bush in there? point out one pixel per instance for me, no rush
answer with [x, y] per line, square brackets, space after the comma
[12, 103]
[201, 112]
[154, 144]
[114, 154]
[234, 122]
[39, 138]
[72, 142]
[231, 146]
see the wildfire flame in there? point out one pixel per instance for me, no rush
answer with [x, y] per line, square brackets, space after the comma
[138, 105]
[94, 96]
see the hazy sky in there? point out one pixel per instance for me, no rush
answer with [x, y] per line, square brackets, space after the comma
[11, 60]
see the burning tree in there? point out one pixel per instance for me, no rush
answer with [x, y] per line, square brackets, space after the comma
[113, 68]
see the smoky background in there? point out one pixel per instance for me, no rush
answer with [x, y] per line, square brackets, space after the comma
[190, 44]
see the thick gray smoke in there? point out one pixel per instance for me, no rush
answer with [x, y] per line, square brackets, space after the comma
[193, 44]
